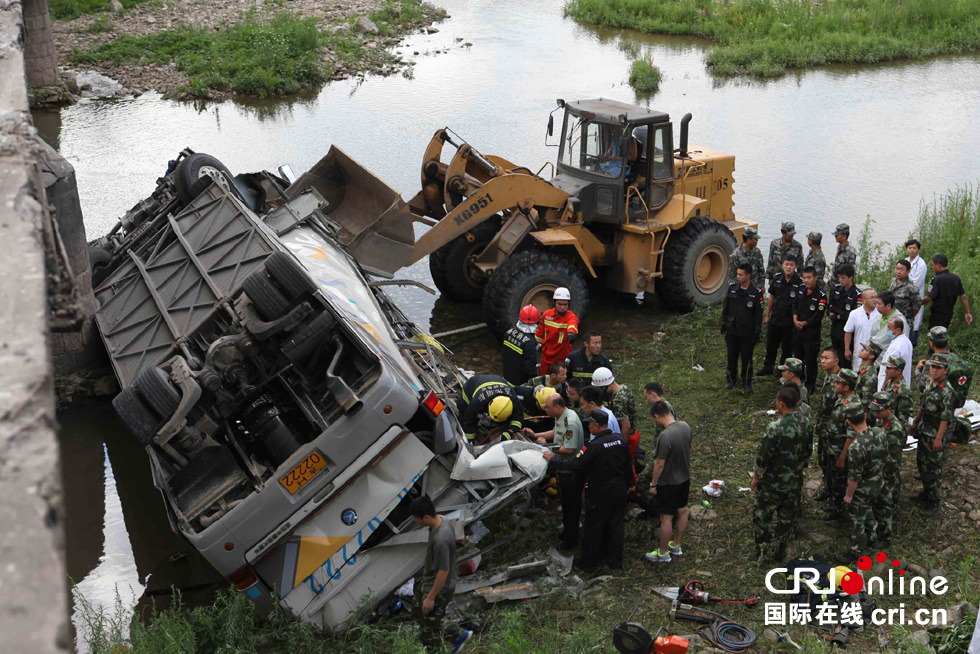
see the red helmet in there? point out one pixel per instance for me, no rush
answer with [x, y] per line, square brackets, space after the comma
[530, 314]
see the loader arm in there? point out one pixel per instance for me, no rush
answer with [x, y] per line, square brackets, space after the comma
[500, 194]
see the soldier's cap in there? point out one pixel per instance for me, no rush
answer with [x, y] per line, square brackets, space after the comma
[854, 412]
[895, 361]
[598, 416]
[750, 232]
[816, 237]
[795, 366]
[881, 401]
[848, 376]
[940, 360]
[788, 227]
[842, 228]
[872, 347]
[938, 333]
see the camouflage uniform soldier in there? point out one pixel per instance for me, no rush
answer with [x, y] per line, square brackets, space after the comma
[898, 389]
[792, 371]
[907, 299]
[782, 247]
[894, 434]
[774, 482]
[845, 251]
[825, 400]
[748, 253]
[839, 441]
[816, 258]
[933, 429]
[938, 342]
[867, 382]
[865, 458]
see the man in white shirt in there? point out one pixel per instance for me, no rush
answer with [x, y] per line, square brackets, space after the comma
[900, 345]
[858, 327]
[591, 399]
[918, 276]
[886, 311]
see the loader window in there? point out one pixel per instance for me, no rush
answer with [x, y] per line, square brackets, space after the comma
[661, 164]
[594, 148]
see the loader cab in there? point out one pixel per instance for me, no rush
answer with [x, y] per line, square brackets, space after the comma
[617, 159]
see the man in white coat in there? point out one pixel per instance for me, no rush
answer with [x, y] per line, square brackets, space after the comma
[918, 276]
[900, 345]
[858, 327]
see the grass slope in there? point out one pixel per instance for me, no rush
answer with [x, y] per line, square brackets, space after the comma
[765, 37]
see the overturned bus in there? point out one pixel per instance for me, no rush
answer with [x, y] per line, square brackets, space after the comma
[290, 411]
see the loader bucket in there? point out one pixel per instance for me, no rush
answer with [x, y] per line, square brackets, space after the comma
[375, 222]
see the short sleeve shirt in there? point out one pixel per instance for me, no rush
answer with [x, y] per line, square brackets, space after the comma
[440, 554]
[944, 290]
[568, 432]
[674, 447]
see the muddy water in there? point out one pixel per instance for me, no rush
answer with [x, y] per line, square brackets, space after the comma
[819, 148]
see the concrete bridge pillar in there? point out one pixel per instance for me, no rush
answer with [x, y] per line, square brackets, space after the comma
[40, 57]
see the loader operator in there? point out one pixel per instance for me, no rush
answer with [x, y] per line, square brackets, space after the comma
[490, 408]
[520, 353]
[557, 331]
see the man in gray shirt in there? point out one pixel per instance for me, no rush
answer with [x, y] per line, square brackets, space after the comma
[671, 481]
[436, 588]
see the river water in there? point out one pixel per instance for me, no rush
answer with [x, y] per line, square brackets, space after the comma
[819, 148]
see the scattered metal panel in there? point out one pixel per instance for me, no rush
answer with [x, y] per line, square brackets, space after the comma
[169, 290]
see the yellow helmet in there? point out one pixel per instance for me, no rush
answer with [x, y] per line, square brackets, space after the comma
[543, 394]
[840, 571]
[500, 408]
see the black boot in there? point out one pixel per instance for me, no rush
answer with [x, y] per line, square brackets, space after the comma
[748, 387]
[762, 372]
[729, 385]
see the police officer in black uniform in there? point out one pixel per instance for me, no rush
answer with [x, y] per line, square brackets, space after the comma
[783, 291]
[520, 352]
[808, 313]
[488, 404]
[608, 472]
[741, 323]
[581, 363]
[840, 304]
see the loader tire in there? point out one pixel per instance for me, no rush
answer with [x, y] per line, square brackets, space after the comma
[530, 277]
[267, 299]
[289, 276]
[139, 419]
[195, 168]
[696, 265]
[160, 394]
[450, 268]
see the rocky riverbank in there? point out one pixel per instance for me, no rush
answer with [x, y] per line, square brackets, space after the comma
[352, 37]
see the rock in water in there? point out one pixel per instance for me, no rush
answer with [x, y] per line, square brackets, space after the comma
[365, 25]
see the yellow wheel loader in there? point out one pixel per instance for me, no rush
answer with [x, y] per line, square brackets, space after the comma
[624, 209]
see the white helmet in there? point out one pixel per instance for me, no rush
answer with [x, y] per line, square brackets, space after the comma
[602, 377]
[561, 293]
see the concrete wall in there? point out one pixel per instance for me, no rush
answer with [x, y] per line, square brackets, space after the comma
[33, 597]
[39, 53]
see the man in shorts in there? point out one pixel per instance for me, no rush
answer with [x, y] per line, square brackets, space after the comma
[671, 481]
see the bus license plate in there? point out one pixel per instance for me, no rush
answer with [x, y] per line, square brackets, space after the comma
[303, 472]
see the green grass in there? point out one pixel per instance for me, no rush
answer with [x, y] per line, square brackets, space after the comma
[644, 76]
[262, 55]
[68, 9]
[766, 37]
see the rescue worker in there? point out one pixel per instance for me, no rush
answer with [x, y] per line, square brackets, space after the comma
[574, 390]
[938, 343]
[488, 404]
[894, 434]
[827, 398]
[619, 400]
[593, 399]
[867, 380]
[608, 472]
[846, 253]
[782, 248]
[557, 378]
[901, 404]
[557, 331]
[587, 359]
[774, 481]
[842, 300]
[933, 429]
[839, 442]
[907, 299]
[865, 464]
[741, 323]
[815, 258]
[808, 313]
[533, 399]
[520, 352]
[568, 434]
[792, 372]
[748, 254]
[783, 291]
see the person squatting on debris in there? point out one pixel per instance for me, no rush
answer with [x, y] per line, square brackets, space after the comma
[774, 481]
[569, 435]
[557, 331]
[435, 589]
[520, 350]
[670, 483]
[608, 474]
[741, 323]
[783, 291]
[933, 429]
[489, 408]
[588, 358]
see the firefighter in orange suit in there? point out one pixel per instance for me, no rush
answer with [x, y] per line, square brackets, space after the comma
[557, 331]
